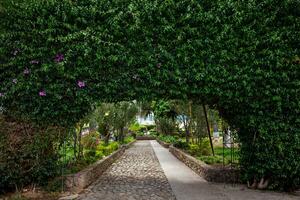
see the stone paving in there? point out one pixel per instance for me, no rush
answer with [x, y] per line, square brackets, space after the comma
[137, 175]
[148, 172]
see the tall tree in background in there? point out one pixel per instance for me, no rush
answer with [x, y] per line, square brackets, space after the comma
[124, 113]
[104, 115]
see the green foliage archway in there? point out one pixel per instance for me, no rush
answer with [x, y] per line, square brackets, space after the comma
[59, 57]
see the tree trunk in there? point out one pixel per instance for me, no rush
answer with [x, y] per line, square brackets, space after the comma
[187, 136]
[80, 148]
[121, 135]
[107, 135]
[187, 132]
[208, 130]
[75, 144]
[190, 122]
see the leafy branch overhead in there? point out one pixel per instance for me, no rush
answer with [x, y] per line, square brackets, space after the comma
[59, 57]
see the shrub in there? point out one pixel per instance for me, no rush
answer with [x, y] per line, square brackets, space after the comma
[201, 149]
[168, 139]
[135, 127]
[181, 145]
[91, 140]
[128, 139]
[91, 156]
[205, 147]
[194, 149]
[114, 146]
[154, 133]
[28, 154]
[213, 159]
[108, 149]
[59, 57]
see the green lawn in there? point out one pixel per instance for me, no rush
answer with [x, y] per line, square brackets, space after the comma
[229, 154]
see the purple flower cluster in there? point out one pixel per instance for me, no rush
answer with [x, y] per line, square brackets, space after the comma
[59, 58]
[81, 84]
[42, 93]
[1, 94]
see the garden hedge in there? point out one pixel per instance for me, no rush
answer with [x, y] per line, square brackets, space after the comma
[60, 57]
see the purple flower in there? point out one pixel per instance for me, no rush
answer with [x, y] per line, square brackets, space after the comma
[1, 94]
[15, 81]
[81, 84]
[34, 62]
[158, 65]
[59, 57]
[42, 93]
[26, 71]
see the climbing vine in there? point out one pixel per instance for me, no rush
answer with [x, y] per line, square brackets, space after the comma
[59, 57]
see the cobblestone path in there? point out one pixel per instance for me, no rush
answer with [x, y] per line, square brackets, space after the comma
[137, 175]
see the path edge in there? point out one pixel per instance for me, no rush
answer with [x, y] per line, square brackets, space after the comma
[77, 182]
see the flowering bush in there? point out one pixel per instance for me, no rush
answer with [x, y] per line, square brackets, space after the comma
[240, 57]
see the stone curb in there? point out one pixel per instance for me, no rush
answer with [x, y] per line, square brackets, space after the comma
[164, 144]
[77, 182]
[208, 172]
[145, 138]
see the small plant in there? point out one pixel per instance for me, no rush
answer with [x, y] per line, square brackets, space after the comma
[168, 139]
[54, 185]
[211, 160]
[181, 145]
[153, 133]
[91, 140]
[17, 196]
[108, 149]
[128, 139]
[194, 149]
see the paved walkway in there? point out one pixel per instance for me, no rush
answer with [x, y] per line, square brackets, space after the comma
[147, 171]
[137, 175]
[187, 185]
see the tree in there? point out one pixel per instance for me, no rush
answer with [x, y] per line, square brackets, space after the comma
[124, 115]
[104, 116]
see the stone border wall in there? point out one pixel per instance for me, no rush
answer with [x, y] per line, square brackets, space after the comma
[77, 182]
[145, 137]
[208, 172]
[162, 143]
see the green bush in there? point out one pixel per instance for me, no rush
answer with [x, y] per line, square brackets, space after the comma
[59, 57]
[28, 155]
[89, 153]
[114, 145]
[91, 156]
[181, 145]
[201, 149]
[205, 146]
[108, 149]
[154, 133]
[91, 140]
[168, 139]
[213, 159]
[194, 149]
[136, 127]
[128, 139]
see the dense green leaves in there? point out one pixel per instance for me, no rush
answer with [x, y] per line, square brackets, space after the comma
[240, 56]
